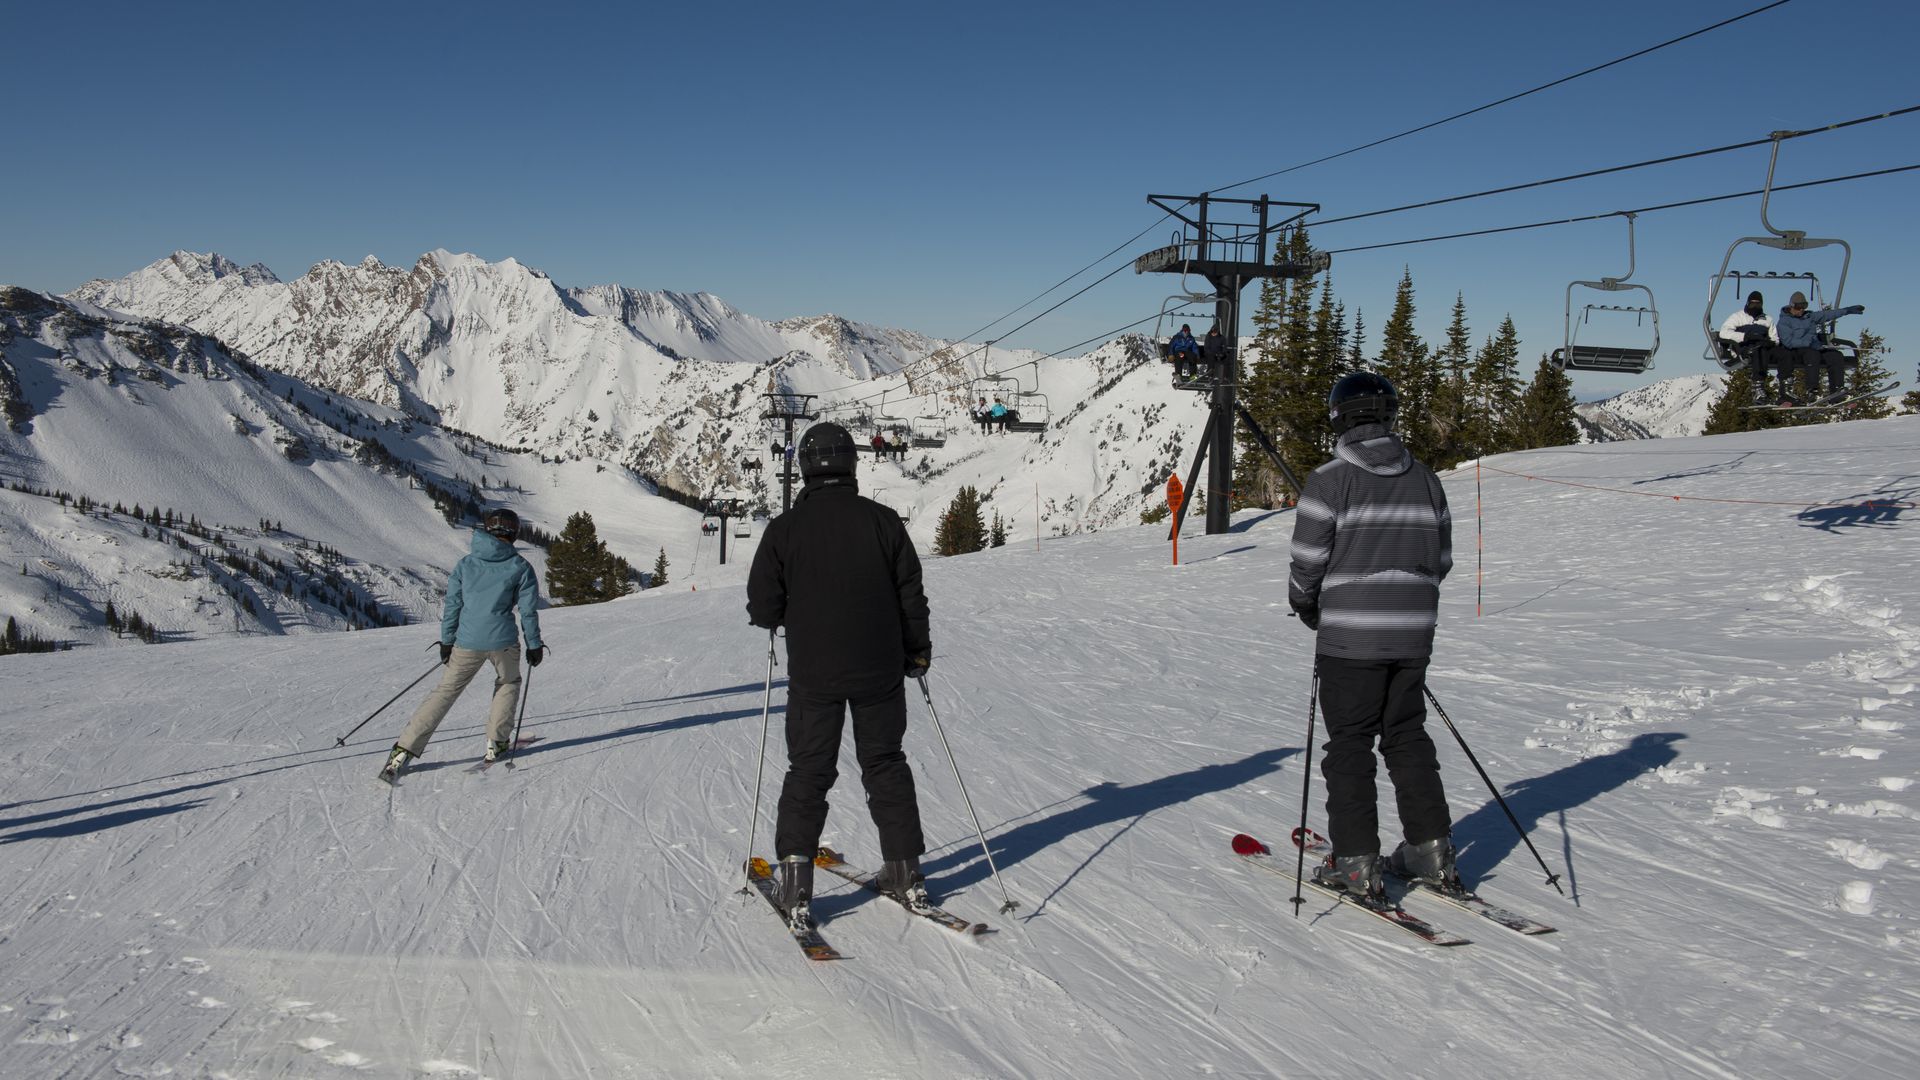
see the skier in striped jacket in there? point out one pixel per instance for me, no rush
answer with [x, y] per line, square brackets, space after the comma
[1372, 541]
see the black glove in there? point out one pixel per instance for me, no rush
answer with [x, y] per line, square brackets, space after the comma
[1309, 616]
[918, 666]
[1754, 332]
[1855, 309]
[534, 656]
[446, 652]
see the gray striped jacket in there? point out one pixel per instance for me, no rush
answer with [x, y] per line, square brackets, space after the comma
[1372, 540]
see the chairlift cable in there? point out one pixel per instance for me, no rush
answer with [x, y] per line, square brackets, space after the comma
[1507, 99]
[1617, 213]
[1620, 168]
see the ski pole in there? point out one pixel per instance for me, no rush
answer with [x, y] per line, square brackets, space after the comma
[759, 773]
[1553, 879]
[1306, 785]
[1008, 903]
[526, 691]
[342, 740]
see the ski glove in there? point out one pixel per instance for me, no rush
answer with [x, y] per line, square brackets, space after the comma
[446, 652]
[918, 666]
[1754, 332]
[534, 656]
[1856, 309]
[1309, 616]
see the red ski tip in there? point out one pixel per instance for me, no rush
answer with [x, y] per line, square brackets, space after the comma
[1247, 845]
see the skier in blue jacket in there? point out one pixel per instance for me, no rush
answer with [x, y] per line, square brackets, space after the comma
[1798, 331]
[476, 628]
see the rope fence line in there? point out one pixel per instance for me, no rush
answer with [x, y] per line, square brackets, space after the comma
[1807, 504]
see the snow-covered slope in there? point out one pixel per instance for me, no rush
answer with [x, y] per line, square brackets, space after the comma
[307, 509]
[669, 384]
[1668, 409]
[1702, 709]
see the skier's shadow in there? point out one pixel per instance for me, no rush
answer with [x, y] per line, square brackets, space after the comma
[1486, 838]
[1106, 803]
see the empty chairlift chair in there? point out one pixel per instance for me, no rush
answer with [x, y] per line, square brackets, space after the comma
[1577, 355]
[929, 431]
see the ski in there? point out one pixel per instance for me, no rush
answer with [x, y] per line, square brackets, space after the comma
[524, 741]
[829, 860]
[1257, 853]
[1318, 847]
[760, 874]
[1824, 407]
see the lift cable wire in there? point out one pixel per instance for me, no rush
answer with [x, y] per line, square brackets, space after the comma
[1617, 213]
[1509, 98]
[1783, 135]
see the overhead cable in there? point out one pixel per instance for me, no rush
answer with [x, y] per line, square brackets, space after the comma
[1781, 135]
[1617, 213]
[1508, 98]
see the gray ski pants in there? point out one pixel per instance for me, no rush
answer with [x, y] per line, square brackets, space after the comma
[466, 663]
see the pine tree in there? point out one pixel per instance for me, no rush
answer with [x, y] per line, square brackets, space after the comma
[1452, 404]
[1871, 373]
[1730, 412]
[961, 530]
[659, 570]
[997, 535]
[1405, 362]
[580, 569]
[1545, 416]
[10, 642]
[1494, 391]
[1357, 342]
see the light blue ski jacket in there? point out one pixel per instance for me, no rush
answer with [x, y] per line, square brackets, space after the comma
[485, 588]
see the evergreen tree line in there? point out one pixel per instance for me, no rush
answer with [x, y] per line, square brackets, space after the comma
[1458, 400]
[14, 640]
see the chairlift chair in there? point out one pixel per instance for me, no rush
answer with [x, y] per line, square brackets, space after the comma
[930, 431]
[1792, 240]
[1575, 355]
[742, 529]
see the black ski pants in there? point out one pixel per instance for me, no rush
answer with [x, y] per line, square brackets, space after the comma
[1811, 361]
[1364, 700]
[814, 721]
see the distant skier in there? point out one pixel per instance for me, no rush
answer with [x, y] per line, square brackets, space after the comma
[983, 415]
[999, 414]
[476, 628]
[841, 574]
[1372, 541]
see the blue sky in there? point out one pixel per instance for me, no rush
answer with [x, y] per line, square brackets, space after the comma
[933, 168]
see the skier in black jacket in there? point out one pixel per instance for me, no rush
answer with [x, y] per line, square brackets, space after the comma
[841, 574]
[1371, 542]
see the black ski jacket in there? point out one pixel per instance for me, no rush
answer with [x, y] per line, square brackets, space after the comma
[841, 574]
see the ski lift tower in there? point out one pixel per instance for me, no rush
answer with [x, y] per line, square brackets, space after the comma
[1225, 241]
[788, 409]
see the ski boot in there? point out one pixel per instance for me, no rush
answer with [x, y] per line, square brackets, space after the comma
[1356, 875]
[1835, 397]
[1430, 863]
[396, 761]
[796, 892]
[498, 749]
[902, 880]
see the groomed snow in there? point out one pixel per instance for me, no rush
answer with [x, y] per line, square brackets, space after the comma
[1699, 707]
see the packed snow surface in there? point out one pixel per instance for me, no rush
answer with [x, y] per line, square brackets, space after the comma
[1692, 673]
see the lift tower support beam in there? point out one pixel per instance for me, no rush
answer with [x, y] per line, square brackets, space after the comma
[1229, 254]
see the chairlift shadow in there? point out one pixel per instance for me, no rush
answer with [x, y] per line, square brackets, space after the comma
[1486, 838]
[1107, 802]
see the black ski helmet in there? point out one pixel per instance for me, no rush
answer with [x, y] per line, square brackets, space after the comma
[1361, 398]
[503, 523]
[826, 450]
